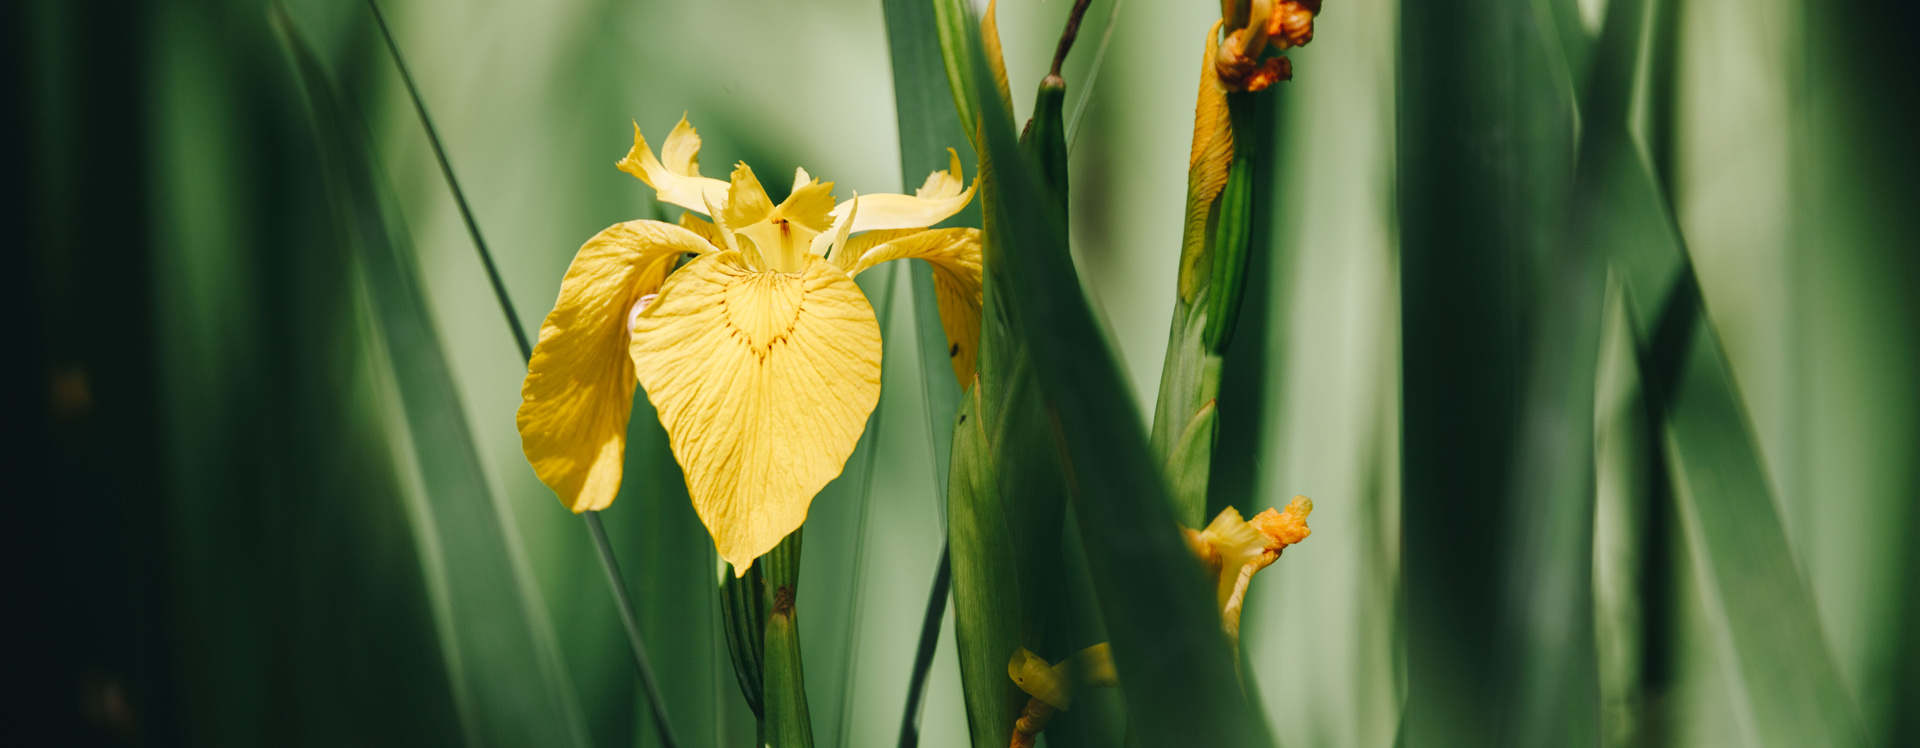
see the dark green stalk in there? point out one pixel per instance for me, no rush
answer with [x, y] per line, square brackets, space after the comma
[787, 722]
[923, 655]
[608, 562]
[459, 196]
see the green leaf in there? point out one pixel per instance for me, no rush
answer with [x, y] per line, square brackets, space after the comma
[1486, 155]
[1793, 691]
[503, 661]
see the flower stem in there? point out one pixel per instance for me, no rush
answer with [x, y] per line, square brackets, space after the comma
[607, 560]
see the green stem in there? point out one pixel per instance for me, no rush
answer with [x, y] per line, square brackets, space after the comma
[784, 693]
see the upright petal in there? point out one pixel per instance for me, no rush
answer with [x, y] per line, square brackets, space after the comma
[936, 200]
[810, 202]
[678, 180]
[579, 386]
[955, 257]
[764, 382]
[747, 201]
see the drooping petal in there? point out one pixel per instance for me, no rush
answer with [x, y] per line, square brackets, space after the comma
[936, 200]
[850, 251]
[764, 382]
[955, 256]
[678, 180]
[579, 387]
[1237, 543]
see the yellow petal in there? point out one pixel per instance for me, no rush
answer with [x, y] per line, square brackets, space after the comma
[1238, 543]
[764, 382]
[1056, 685]
[828, 244]
[850, 251]
[747, 201]
[785, 234]
[809, 203]
[1034, 676]
[579, 386]
[678, 180]
[936, 200]
[955, 256]
[704, 228]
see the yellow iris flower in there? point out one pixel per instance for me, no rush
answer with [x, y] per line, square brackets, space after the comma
[760, 353]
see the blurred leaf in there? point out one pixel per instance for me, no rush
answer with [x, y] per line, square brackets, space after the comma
[1753, 582]
[1793, 691]
[1172, 659]
[505, 666]
[1486, 158]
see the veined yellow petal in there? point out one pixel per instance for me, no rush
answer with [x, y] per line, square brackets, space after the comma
[579, 387]
[678, 180]
[955, 256]
[764, 382]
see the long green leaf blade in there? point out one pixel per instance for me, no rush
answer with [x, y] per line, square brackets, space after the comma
[505, 666]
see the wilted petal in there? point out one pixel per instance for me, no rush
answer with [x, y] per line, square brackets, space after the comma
[764, 382]
[579, 386]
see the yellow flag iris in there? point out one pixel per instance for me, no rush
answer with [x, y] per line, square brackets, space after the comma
[760, 353]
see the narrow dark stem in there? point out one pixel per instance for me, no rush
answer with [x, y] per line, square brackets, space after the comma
[1067, 36]
[459, 197]
[923, 658]
[619, 585]
[608, 561]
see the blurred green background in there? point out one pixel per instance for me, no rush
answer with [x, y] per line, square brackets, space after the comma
[218, 531]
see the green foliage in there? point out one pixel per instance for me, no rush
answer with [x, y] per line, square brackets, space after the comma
[494, 636]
